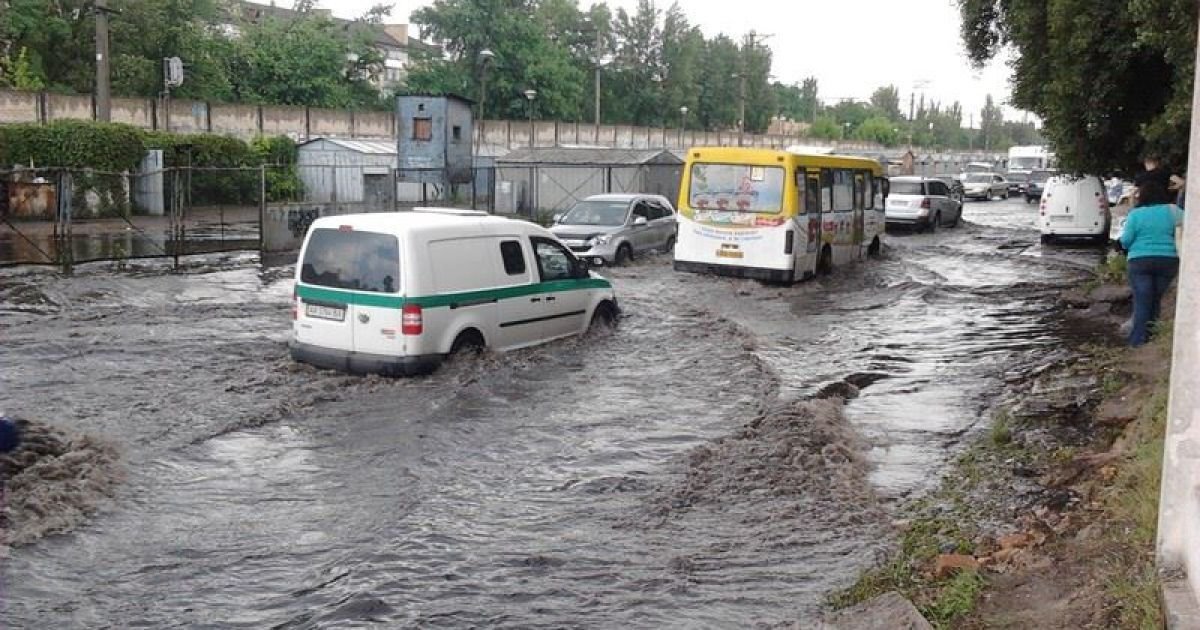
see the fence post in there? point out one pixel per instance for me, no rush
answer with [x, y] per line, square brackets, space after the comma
[262, 206]
[394, 176]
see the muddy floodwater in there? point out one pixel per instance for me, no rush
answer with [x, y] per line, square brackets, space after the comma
[686, 470]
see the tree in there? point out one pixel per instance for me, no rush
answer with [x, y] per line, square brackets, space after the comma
[826, 128]
[525, 57]
[878, 129]
[991, 122]
[1105, 95]
[887, 100]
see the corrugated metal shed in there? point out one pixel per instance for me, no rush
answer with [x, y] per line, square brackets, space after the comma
[553, 179]
[589, 156]
[347, 171]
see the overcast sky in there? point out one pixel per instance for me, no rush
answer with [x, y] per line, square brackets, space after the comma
[851, 46]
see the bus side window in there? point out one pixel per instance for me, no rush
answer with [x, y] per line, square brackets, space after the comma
[881, 186]
[827, 190]
[860, 191]
[843, 190]
[812, 193]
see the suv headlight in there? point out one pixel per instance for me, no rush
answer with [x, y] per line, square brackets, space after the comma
[601, 239]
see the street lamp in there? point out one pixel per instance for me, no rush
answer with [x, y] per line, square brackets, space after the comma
[683, 112]
[529, 96]
[485, 59]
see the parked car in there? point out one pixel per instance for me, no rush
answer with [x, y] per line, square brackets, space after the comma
[1017, 183]
[1037, 184]
[396, 293]
[612, 229]
[985, 186]
[1074, 207]
[923, 202]
[955, 184]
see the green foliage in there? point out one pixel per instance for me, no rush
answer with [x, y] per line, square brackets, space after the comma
[878, 129]
[956, 599]
[826, 128]
[887, 101]
[1106, 95]
[111, 147]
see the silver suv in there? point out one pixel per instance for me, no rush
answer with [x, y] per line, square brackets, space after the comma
[612, 229]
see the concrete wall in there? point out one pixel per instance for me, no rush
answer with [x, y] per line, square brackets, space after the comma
[68, 107]
[19, 107]
[497, 137]
[234, 119]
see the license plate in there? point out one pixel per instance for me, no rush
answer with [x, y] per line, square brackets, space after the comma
[1062, 218]
[325, 312]
[729, 253]
[898, 204]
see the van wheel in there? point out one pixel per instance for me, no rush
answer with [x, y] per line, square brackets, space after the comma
[624, 254]
[469, 341]
[825, 262]
[875, 249]
[1047, 239]
[603, 318]
[669, 247]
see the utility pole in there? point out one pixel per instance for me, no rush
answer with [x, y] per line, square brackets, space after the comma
[599, 58]
[103, 91]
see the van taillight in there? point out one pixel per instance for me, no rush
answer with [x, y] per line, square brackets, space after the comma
[411, 320]
[789, 241]
[925, 203]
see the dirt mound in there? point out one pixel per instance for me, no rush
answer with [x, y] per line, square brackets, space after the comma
[53, 482]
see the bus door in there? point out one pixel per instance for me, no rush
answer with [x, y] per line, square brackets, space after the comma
[860, 205]
[811, 220]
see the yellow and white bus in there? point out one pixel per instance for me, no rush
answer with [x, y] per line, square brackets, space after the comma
[778, 216]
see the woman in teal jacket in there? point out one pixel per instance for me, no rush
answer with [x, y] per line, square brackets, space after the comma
[1149, 243]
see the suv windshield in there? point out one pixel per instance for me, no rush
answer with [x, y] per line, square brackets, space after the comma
[736, 188]
[609, 213]
[359, 261]
[978, 178]
[906, 188]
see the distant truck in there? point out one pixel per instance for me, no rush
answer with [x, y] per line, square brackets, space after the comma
[1023, 160]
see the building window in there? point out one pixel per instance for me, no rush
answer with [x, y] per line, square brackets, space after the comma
[457, 132]
[422, 129]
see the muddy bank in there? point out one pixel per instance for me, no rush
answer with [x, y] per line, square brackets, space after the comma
[53, 482]
[1037, 523]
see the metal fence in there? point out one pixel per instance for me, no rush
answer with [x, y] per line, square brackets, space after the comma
[64, 217]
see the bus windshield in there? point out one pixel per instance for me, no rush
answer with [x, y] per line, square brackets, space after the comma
[736, 188]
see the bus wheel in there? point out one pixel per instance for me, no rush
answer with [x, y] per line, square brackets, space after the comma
[825, 262]
[624, 254]
[875, 249]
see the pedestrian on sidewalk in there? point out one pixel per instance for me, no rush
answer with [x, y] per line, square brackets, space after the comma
[1149, 243]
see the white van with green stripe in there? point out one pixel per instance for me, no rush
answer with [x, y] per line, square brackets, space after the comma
[396, 293]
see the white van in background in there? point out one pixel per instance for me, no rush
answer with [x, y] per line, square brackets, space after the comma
[1074, 207]
[396, 293]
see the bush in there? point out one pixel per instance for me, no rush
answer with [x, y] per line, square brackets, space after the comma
[116, 148]
[110, 147]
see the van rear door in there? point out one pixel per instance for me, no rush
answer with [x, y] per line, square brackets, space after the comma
[347, 276]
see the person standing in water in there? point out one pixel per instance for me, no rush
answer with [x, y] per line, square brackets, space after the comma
[1149, 242]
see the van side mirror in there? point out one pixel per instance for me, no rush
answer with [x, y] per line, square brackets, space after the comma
[640, 220]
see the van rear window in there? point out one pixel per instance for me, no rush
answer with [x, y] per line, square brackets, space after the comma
[359, 261]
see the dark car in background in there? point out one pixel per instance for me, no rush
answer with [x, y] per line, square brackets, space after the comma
[1037, 184]
[1017, 183]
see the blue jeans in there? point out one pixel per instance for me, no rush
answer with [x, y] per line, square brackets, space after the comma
[1149, 277]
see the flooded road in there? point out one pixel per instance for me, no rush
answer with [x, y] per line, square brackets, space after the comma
[673, 473]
